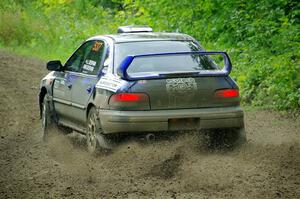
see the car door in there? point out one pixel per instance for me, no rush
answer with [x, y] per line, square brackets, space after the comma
[63, 83]
[61, 96]
[86, 79]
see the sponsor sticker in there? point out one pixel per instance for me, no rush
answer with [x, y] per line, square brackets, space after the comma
[181, 85]
[90, 62]
[88, 67]
[181, 90]
[97, 46]
[111, 83]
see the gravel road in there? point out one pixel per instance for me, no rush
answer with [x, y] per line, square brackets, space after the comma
[268, 166]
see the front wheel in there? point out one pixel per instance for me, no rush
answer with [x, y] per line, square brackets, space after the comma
[97, 141]
[48, 124]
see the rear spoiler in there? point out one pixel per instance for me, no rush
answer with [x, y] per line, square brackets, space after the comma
[122, 70]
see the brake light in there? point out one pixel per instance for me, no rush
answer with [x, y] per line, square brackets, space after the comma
[129, 97]
[129, 101]
[227, 93]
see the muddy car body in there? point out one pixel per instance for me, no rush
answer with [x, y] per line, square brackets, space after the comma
[138, 82]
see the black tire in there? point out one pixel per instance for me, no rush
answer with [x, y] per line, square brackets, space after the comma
[48, 124]
[225, 138]
[97, 141]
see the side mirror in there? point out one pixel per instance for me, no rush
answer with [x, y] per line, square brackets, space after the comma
[54, 65]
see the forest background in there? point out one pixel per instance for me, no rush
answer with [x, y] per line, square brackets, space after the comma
[261, 37]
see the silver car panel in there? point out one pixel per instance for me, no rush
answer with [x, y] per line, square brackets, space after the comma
[62, 95]
[83, 88]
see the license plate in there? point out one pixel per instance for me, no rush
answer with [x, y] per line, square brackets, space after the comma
[184, 124]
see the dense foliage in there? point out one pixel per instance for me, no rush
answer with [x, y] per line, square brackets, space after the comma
[262, 37]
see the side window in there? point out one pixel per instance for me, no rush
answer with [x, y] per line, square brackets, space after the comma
[93, 59]
[76, 60]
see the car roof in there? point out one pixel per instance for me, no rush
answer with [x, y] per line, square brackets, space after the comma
[146, 36]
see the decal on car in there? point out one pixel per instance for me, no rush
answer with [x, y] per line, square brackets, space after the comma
[89, 65]
[111, 83]
[181, 85]
[181, 90]
[97, 46]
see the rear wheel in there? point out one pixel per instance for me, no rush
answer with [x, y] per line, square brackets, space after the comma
[97, 141]
[225, 138]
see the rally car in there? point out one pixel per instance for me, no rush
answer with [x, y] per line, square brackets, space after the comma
[139, 81]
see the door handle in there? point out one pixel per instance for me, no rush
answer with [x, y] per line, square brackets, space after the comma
[90, 88]
[69, 86]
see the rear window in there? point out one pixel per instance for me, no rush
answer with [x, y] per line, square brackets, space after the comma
[163, 64]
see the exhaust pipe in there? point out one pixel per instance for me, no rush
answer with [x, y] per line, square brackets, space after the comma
[150, 137]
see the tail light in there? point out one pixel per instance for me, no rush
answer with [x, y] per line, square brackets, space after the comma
[129, 101]
[227, 93]
[129, 97]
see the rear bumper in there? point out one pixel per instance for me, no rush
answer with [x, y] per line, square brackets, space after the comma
[113, 121]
